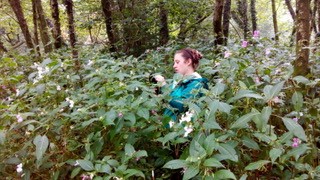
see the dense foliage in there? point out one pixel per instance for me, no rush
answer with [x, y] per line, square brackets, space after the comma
[255, 121]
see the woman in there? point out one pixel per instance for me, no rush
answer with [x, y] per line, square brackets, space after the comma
[186, 61]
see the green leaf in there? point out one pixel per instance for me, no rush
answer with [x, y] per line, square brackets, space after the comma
[133, 172]
[256, 165]
[196, 150]
[175, 164]
[210, 144]
[103, 168]
[42, 143]
[143, 112]
[243, 94]
[40, 88]
[110, 116]
[211, 123]
[85, 165]
[224, 174]
[298, 151]
[212, 162]
[228, 152]
[301, 79]
[295, 127]
[243, 121]
[224, 107]
[272, 91]
[250, 143]
[213, 106]
[2, 136]
[131, 117]
[75, 172]
[297, 101]
[274, 154]
[190, 172]
[141, 153]
[129, 150]
[218, 89]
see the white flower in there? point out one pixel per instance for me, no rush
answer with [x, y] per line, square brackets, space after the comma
[19, 118]
[268, 51]
[19, 168]
[186, 117]
[76, 164]
[171, 123]
[90, 63]
[71, 103]
[17, 92]
[58, 88]
[188, 130]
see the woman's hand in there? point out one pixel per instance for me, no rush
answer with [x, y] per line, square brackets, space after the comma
[160, 79]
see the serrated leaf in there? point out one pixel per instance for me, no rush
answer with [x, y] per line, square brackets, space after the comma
[224, 174]
[250, 143]
[41, 143]
[256, 165]
[272, 91]
[190, 172]
[143, 112]
[228, 152]
[297, 101]
[274, 154]
[213, 162]
[85, 165]
[131, 117]
[175, 164]
[245, 94]
[129, 150]
[242, 122]
[218, 89]
[133, 172]
[295, 127]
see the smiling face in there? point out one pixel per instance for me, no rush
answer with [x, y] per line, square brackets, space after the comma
[181, 65]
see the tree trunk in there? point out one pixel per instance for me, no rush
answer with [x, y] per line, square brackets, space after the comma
[243, 9]
[253, 15]
[43, 27]
[226, 20]
[301, 66]
[318, 5]
[106, 8]
[72, 33]
[313, 17]
[35, 28]
[57, 26]
[17, 9]
[293, 15]
[217, 22]
[164, 30]
[275, 21]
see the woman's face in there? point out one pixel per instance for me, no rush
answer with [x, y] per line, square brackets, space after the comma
[181, 65]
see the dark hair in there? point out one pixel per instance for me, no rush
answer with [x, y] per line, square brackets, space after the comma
[189, 53]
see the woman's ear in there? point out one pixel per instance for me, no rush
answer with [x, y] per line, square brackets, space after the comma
[188, 62]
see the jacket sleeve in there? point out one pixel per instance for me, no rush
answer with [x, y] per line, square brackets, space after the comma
[187, 92]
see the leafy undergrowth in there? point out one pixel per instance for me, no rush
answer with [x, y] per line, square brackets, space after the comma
[105, 121]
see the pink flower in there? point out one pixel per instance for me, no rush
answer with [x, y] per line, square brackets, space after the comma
[257, 80]
[19, 118]
[256, 34]
[268, 51]
[120, 115]
[244, 44]
[85, 177]
[227, 54]
[296, 142]
[295, 119]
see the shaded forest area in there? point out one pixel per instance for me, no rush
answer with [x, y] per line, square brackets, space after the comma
[131, 27]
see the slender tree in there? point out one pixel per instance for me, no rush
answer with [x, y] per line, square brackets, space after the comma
[243, 9]
[301, 66]
[253, 15]
[17, 9]
[164, 30]
[72, 33]
[57, 26]
[2, 48]
[43, 27]
[318, 5]
[35, 27]
[293, 15]
[275, 21]
[217, 21]
[226, 20]
[106, 8]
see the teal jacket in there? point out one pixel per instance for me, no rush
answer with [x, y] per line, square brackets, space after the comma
[185, 89]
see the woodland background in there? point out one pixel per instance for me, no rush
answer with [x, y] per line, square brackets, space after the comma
[76, 100]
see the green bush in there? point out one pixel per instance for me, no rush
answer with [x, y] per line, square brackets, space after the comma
[105, 122]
